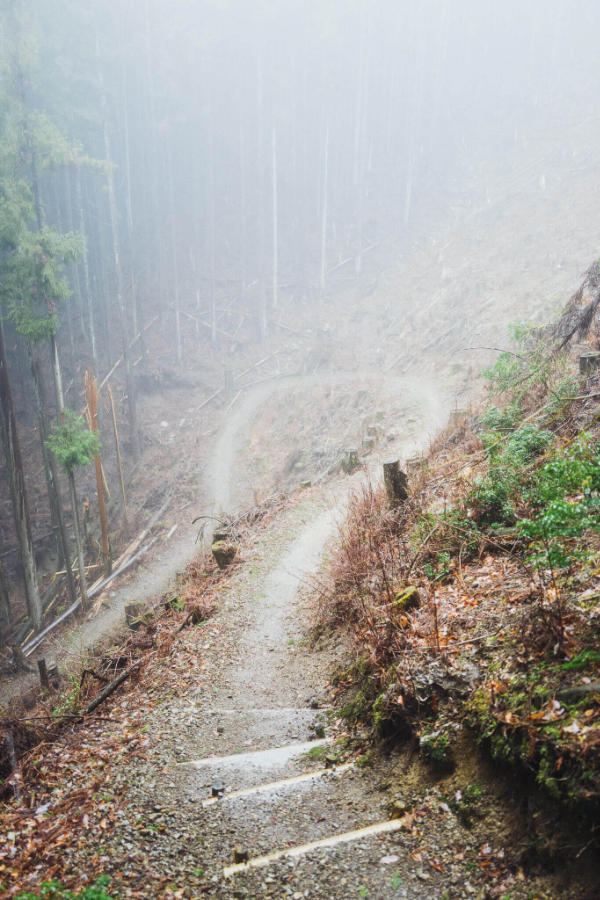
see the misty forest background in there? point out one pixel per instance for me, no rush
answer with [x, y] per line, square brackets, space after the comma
[175, 172]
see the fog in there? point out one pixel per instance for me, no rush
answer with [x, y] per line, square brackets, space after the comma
[257, 145]
[406, 177]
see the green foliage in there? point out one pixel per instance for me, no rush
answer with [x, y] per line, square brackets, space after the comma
[496, 494]
[466, 804]
[581, 660]
[495, 419]
[72, 443]
[565, 496]
[177, 604]
[439, 570]
[504, 375]
[53, 890]
[436, 749]
[68, 700]
[32, 256]
[396, 881]
[32, 283]
[514, 373]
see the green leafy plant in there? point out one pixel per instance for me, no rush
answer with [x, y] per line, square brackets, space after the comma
[53, 890]
[495, 496]
[504, 375]
[441, 569]
[72, 442]
[68, 701]
[436, 749]
[581, 661]
[396, 881]
[565, 496]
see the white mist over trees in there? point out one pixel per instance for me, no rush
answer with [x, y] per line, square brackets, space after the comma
[165, 158]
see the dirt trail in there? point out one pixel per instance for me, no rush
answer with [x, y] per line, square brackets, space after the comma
[224, 491]
[258, 730]
[248, 726]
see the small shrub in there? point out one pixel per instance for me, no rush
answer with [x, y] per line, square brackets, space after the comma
[496, 496]
[436, 749]
[497, 420]
[505, 374]
[72, 443]
[565, 496]
[68, 701]
[53, 890]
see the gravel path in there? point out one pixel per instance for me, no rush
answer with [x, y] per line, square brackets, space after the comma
[255, 723]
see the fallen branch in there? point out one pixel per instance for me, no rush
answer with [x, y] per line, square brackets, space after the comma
[94, 674]
[31, 645]
[208, 399]
[111, 687]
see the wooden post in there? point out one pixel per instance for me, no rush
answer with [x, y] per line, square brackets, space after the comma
[43, 670]
[91, 393]
[395, 482]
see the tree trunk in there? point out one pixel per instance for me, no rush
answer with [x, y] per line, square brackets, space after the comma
[51, 471]
[175, 264]
[86, 272]
[77, 528]
[275, 297]
[324, 213]
[14, 464]
[91, 390]
[5, 607]
[114, 228]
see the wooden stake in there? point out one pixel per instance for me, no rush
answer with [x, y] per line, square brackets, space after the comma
[119, 461]
[91, 393]
[43, 670]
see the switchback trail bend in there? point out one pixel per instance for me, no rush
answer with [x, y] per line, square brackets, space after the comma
[283, 823]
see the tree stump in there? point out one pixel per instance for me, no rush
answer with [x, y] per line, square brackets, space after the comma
[395, 482]
[223, 553]
[350, 462]
[589, 362]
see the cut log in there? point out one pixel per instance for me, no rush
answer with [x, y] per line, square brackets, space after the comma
[395, 482]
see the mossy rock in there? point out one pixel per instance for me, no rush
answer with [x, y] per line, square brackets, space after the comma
[407, 599]
[224, 553]
[437, 750]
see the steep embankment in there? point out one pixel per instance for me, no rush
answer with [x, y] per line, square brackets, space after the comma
[474, 606]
